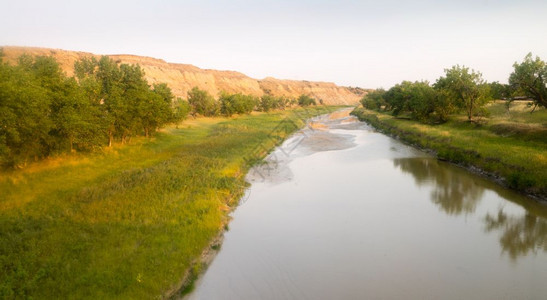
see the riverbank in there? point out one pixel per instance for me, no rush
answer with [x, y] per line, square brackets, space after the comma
[508, 147]
[131, 221]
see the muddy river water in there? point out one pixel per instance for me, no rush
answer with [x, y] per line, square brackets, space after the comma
[341, 211]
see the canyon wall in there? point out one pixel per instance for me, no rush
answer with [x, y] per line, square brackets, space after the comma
[183, 77]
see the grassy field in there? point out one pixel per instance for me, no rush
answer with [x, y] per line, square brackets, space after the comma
[130, 221]
[510, 145]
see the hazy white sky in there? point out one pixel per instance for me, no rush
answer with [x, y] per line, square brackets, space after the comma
[359, 43]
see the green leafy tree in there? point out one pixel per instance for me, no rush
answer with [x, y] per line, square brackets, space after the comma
[108, 75]
[246, 103]
[25, 110]
[267, 103]
[155, 108]
[419, 100]
[283, 102]
[128, 104]
[202, 102]
[76, 119]
[374, 100]
[530, 78]
[465, 88]
[500, 90]
[139, 104]
[422, 100]
[398, 97]
[228, 104]
[443, 105]
[305, 100]
[236, 104]
[181, 109]
[86, 66]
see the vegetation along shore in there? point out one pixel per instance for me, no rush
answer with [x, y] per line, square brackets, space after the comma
[458, 119]
[130, 221]
[105, 191]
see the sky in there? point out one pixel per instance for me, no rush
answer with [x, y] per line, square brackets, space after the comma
[369, 44]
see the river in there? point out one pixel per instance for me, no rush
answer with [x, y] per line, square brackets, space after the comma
[344, 212]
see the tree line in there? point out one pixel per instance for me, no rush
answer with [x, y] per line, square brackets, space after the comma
[43, 111]
[203, 103]
[461, 89]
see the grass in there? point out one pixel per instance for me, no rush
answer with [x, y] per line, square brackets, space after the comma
[509, 145]
[131, 221]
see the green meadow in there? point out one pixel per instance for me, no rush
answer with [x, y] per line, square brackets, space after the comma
[130, 221]
[509, 143]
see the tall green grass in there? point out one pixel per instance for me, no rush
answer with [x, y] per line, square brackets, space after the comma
[129, 222]
[510, 145]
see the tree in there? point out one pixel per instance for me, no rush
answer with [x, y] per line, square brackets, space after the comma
[305, 100]
[530, 78]
[76, 120]
[417, 98]
[236, 104]
[500, 90]
[422, 100]
[443, 105]
[181, 109]
[398, 96]
[374, 100]
[202, 102]
[25, 121]
[154, 109]
[267, 103]
[465, 88]
[107, 75]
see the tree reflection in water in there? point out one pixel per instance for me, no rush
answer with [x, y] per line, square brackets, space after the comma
[520, 234]
[455, 192]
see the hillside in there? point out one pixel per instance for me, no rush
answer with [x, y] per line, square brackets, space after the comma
[183, 77]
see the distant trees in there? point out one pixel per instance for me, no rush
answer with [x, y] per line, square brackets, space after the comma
[460, 88]
[42, 111]
[305, 100]
[268, 102]
[418, 99]
[530, 78]
[500, 90]
[374, 100]
[203, 103]
[236, 104]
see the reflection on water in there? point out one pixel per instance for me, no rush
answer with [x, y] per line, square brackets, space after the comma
[456, 192]
[520, 234]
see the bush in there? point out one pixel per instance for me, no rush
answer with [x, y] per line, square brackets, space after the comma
[236, 104]
[305, 100]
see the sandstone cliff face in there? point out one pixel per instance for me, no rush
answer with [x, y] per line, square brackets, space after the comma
[181, 77]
